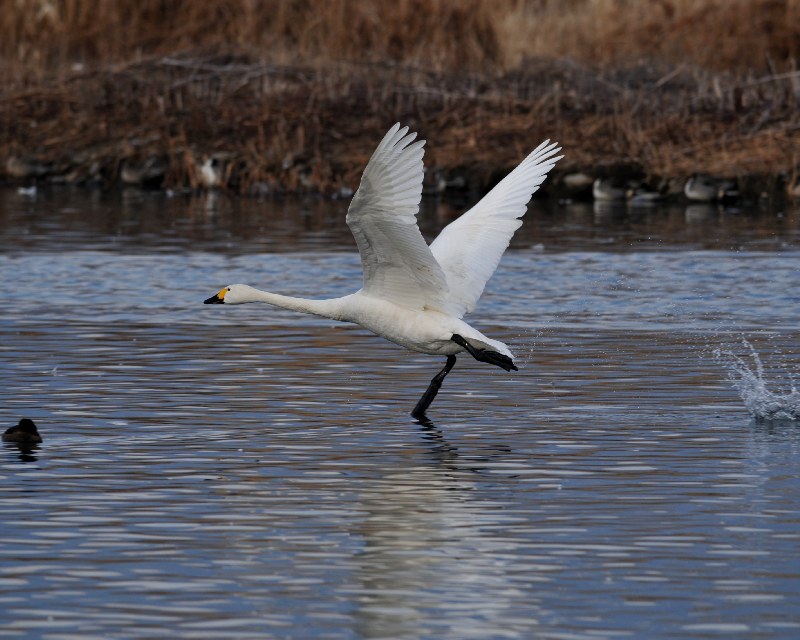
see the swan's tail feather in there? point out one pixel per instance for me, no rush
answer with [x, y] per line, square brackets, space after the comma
[497, 359]
[482, 354]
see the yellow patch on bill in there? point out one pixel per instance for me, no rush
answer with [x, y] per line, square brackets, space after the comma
[221, 294]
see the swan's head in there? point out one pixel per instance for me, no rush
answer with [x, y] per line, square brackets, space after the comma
[232, 294]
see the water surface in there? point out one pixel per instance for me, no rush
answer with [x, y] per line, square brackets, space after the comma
[247, 472]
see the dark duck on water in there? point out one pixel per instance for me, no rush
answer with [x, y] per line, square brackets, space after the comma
[24, 433]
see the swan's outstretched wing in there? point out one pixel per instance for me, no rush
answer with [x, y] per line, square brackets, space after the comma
[469, 248]
[398, 264]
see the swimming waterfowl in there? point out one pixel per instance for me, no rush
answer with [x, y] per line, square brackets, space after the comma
[413, 294]
[610, 189]
[24, 433]
[794, 189]
[619, 190]
[211, 174]
[704, 188]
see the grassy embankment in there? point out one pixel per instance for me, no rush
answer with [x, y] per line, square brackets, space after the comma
[292, 95]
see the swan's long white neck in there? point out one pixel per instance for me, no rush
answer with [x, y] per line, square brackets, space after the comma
[331, 308]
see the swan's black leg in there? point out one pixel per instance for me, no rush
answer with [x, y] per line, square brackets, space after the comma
[433, 389]
[485, 355]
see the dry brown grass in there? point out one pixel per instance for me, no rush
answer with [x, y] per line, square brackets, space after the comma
[757, 36]
[294, 93]
[743, 36]
[439, 34]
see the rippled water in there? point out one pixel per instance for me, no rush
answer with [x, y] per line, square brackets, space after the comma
[210, 472]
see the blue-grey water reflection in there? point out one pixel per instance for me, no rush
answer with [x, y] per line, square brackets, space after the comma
[211, 472]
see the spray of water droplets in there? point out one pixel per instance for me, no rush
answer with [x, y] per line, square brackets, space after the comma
[749, 379]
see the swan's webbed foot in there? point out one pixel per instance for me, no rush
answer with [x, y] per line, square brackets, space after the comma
[433, 389]
[485, 355]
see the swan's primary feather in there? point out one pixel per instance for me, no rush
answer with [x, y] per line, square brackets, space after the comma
[469, 248]
[398, 264]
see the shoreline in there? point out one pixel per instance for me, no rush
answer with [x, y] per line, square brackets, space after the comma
[233, 121]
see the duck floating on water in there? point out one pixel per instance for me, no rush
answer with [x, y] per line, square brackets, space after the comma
[24, 433]
[705, 188]
[618, 190]
[610, 190]
[794, 189]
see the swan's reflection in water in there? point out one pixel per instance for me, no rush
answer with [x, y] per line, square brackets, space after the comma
[431, 552]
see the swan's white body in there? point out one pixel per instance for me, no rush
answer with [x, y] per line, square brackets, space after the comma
[413, 294]
[425, 330]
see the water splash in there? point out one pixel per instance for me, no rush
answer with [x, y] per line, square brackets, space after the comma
[749, 379]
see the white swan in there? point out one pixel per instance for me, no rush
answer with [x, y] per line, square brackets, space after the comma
[415, 295]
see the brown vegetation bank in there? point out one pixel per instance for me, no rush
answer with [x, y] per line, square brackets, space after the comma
[286, 96]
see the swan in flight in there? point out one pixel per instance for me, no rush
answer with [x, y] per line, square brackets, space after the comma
[415, 295]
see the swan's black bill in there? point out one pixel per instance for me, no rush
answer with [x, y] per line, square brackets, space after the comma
[215, 299]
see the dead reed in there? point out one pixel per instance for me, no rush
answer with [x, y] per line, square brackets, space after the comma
[744, 36]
